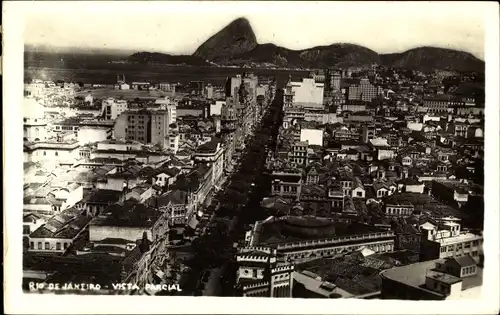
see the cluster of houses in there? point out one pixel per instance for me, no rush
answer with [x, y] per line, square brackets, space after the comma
[352, 173]
[120, 199]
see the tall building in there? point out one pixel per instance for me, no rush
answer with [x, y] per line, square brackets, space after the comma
[112, 108]
[364, 91]
[196, 87]
[34, 124]
[261, 274]
[369, 133]
[148, 127]
[306, 94]
[233, 85]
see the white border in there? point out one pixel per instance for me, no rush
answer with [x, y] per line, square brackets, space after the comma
[16, 302]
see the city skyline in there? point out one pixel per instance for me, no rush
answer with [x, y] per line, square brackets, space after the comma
[288, 25]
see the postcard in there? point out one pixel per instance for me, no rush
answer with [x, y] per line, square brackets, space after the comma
[251, 157]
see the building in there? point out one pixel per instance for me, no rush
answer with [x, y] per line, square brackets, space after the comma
[112, 108]
[34, 124]
[311, 136]
[369, 133]
[286, 184]
[403, 209]
[129, 221]
[174, 203]
[382, 149]
[299, 153]
[212, 153]
[447, 240]
[233, 85]
[302, 239]
[450, 191]
[59, 233]
[145, 126]
[142, 86]
[31, 222]
[441, 279]
[216, 108]
[437, 104]
[167, 87]
[364, 91]
[306, 94]
[92, 134]
[260, 274]
[51, 151]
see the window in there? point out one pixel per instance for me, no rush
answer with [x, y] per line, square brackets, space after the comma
[47, 246]
[57, 153]
[474, 253]
[475, 243]
[44, 153]
[39, 245]
[450, 248]
[359, 194]
[26, 229]
[58, 246]
[276, 188]
[443, 249]
[459, 246]
[32, 245]
[467, 245]
[65, 245]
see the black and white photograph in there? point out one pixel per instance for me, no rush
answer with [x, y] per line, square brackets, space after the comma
[194, 151]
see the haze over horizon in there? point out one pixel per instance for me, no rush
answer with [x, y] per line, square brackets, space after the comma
[179, 27]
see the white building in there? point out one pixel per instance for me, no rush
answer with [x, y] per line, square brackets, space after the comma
[447, 240]
[90, 134]
[308, 93]
[35, 126]
[113, 108]
[313, 136]
[51, 151]
[172, 113]
[212, 153]
[215, 109]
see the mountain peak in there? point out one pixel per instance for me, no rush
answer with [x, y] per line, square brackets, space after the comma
[236, 38]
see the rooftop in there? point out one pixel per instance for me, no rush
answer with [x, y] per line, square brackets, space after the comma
[294, 228]
[130, 214]
[414, 275]
[64, 225]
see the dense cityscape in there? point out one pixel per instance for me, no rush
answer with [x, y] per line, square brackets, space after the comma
[359, 182]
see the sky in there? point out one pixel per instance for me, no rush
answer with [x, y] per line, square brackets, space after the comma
[180, 27]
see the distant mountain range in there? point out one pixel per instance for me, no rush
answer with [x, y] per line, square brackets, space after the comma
[237, 45]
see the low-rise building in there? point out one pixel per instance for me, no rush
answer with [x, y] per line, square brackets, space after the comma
[301, 239]
[286, 184]
[59, 233]
[441, 279]
[447, 240]
[128, 221]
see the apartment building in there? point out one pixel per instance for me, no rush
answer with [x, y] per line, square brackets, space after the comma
[447, 240]
[148, 127]
[112, 108]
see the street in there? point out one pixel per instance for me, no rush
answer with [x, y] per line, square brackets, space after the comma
[233, 207]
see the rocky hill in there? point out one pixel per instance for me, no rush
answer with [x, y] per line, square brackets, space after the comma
[316, 57]
[429, 58]
[236, 44]
[236, 38]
